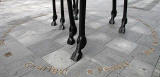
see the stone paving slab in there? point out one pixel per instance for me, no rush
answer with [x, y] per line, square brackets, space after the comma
[138, 69]
[16, 49]
[59, 59]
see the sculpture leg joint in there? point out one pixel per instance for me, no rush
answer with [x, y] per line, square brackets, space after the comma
[81, 43]
[54, 21]
[62, 27]
[72, 32]
[113, 15]
[122, 28]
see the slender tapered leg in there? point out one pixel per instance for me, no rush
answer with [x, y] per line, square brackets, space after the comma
[72, 29]
[114, 12]
[62, 20]
[81, 41]
[74, 4]
[54, 14]
[124, 19]
[75, 11]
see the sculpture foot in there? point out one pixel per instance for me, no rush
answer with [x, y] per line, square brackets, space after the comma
[112, 20]
[70, 41]
[77, 55]
[122, 30]
[61, 27]
[53, 23]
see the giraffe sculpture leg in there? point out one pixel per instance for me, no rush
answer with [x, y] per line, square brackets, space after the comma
[124, 19]
[54, 14]
[75, 11]
[81, 41]
[72, 29]
[114, 12]
[62, 20]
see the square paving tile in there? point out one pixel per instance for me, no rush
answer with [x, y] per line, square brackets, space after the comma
[16, 51]
[145, 54]
[44, 47]
[137, 68]
[59, 59]
[86, 68]
[122, 45]
[111, 57]
[95, 43]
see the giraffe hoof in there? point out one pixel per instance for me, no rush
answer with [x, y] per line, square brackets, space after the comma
[112, 21]
[70, 41]
[61, 27]
[53, 23]
[122, 30]
[76, 56]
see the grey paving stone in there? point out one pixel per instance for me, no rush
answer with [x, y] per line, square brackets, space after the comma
[112, 57]
[86, 68]
[141, 54]
[145, 40]
[137, 69]
[140, 28]
[156, 73]
[4, 73]
[44, 47]
[59, 59]
[122, 45]
[36, 73]
[17, 68]
[37, 32]
[16, 49]
[95, 44]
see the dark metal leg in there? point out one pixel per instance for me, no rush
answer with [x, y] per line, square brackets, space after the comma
[81, 41]
[74, 4]
[76, 11]
[54, 14]
[62, 20]
[114, 12]
[72, 29]
[124, 19]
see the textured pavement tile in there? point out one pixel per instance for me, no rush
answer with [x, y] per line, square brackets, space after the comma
[16, 49]
[36, 73]
[3, 73]
[156, 73]
[17, 68]
[140, 28]
[140, 54]
[145, 40]
[111, 57]
[86, 68]
[37, 32]
[130, 36]
[95, 44]
[137, 69]
[143, 3]
[114, 74]
[122, 45]
[44, 47]
[156, 8]
[59, 59]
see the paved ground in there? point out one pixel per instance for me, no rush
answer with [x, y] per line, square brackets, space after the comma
[29, 46]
